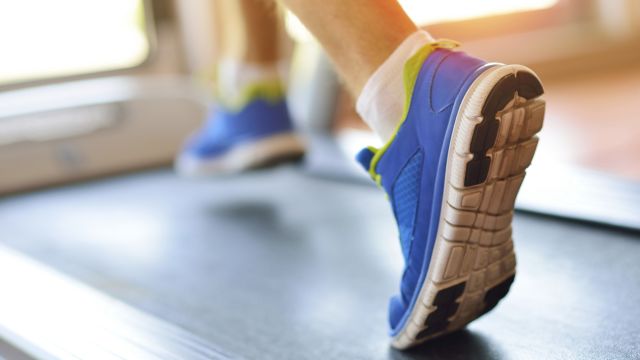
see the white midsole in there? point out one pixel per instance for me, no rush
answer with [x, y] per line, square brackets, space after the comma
[242, 157]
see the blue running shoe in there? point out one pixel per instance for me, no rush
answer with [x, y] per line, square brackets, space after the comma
[452, 171]
[257, 134]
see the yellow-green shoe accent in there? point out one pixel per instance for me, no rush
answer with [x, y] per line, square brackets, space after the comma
[409, 76]
[269, 91]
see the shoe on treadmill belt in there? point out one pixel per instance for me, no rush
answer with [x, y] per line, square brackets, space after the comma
[234, 139]
[452, 171]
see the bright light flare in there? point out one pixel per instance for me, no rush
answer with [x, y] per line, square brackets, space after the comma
[429, 12]
[424, 12]
[44, 38]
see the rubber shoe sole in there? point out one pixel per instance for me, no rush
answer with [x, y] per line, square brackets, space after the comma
[268, 152]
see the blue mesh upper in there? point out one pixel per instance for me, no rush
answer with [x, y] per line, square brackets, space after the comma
[224, 129]
[412, 168]
[405, 200]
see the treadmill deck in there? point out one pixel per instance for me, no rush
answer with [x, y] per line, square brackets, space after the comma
[277, 264]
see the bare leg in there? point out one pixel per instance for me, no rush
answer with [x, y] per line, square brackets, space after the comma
[248, 31]
[252, 123]
[358, 35]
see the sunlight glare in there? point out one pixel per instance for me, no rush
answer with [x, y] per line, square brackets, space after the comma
[425, 12]
[44, 39]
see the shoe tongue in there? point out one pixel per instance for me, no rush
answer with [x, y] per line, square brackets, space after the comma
[364, 157]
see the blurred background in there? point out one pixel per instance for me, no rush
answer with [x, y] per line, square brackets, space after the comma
[91, 88]
[96, 97]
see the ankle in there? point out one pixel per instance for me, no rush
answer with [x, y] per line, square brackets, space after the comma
[238, 83]
[383, 97]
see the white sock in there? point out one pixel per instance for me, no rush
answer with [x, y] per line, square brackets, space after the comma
[234, 77]
[381, 101]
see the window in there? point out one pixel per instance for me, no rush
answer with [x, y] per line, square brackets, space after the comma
[42, 39]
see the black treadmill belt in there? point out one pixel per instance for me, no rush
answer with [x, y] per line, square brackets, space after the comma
[278, 265]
